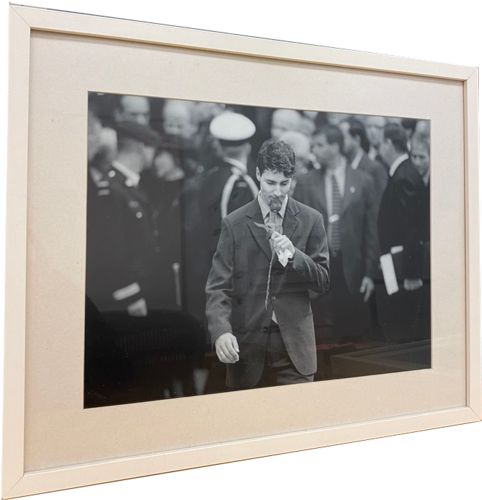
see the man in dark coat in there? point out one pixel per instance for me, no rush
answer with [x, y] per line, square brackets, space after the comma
[124, 255]
[120, 252]
[345, 198]
[420, 158]
[356, 151]
[217, 192]
[374, 126]
[400, 220]
[271, 253]
[357, 147]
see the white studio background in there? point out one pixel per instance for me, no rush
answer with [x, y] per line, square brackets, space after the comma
[442, 463]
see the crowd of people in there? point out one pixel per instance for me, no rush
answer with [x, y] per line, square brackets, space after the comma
[162, 175]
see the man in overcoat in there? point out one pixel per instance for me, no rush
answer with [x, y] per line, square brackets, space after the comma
[402, 215]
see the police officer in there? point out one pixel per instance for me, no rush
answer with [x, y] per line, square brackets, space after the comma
[229, 180]
[219, 191]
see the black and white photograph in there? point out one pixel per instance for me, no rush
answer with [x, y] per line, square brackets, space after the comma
[242, 250]
[232, 247]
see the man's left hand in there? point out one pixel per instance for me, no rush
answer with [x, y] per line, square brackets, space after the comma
[412, 285]
[282, 243]
[367, 287]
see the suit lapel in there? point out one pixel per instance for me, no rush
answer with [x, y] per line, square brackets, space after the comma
[350, 188]
[256, 226]
[363, 163]
[290, 220]
[321, 190]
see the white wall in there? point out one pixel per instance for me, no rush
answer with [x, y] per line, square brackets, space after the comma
[439, 464]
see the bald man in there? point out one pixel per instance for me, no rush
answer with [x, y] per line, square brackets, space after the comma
[284, 120]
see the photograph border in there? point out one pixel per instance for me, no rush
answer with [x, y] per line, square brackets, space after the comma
[23, 21]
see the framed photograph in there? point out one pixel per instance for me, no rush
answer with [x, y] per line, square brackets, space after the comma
[222, 247]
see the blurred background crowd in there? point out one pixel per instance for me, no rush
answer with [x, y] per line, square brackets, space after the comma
[161, 176]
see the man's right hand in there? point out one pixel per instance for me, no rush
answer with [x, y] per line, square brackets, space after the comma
[227, 348]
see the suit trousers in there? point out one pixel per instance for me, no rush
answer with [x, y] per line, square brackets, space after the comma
[278, 367]
[405, 316]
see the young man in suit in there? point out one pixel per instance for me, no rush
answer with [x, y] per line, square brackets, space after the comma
[345, 198]
[271, 254]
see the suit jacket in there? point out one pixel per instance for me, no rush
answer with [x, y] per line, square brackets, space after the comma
[401, 218]
[425, 233]
[357, 221]
[237, 282]
[378, 173]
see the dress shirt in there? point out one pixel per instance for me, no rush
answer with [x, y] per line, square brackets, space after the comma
[340, 175]
[265, 211]
[355, 163]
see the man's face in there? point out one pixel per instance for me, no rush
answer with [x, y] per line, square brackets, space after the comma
[206, 111]
[148, 155]
[322, 150]
[177, 120]
[374, 126]
[387, 151]
[274, 186]
[134, 109]
[166, 168]
[420, 158]
[94, 129]
[284, 120]
[351, 144]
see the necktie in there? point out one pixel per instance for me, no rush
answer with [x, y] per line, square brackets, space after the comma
[336, 203]
[274, 222]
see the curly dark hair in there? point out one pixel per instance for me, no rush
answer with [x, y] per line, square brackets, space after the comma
[278, 156]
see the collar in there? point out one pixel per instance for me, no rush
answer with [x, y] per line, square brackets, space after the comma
[397, 163]
[265, 210]
[339, 169]
[132, 179]
[356, 161]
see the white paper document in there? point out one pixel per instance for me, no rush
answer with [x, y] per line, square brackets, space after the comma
[389, 275]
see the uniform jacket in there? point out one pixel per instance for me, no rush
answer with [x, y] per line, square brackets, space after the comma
[165, 204]
[357, 221]
[378, 173]
[237, 283]
[122, 245]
